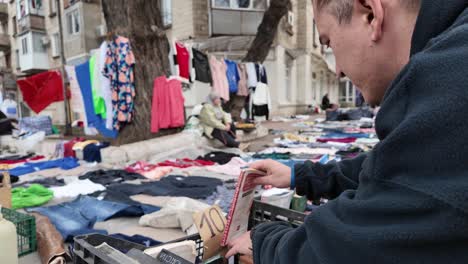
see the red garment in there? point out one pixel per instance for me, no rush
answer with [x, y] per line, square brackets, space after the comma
[186, 163]
[183, 59]
[68, 147]
[11, 162]
[140, 166]
[42, 89]
[168, 104]
[339, 140]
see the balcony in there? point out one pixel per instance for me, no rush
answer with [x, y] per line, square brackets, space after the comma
[5, 44]
[235, 22]
[3, 12]
[31, 22]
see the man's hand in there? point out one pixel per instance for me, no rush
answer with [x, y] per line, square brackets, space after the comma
[242, 245]
[277, 174]
[228, 127]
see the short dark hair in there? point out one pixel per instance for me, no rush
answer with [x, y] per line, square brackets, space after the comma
[343, 9]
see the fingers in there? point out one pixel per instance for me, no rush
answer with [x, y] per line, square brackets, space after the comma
[231, 252]
[262, 165]
[266, 180]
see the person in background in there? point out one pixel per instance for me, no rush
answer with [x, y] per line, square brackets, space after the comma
[326, 105]
[216, 123]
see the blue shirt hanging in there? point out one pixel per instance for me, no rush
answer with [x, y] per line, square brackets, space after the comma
[232, 75]
[84, 80]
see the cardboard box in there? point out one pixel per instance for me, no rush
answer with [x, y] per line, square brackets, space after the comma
[5, 189]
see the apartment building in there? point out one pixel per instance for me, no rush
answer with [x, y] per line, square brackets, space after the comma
[300, 70]
[34, 39]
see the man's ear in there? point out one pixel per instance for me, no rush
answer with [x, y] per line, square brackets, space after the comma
[373, 14]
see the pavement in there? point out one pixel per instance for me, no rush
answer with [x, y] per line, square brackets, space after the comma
[130, 226]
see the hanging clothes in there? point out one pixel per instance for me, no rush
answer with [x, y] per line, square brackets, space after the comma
[202, 66]
[168, 109]
[232, 75]
[105, 84]
[220, 82]
[261, 73]
[183, 59]
[84, 80]
[77, 101]
[243, 90]
[251, 74]
[42, 89]
[98, 100]
[119, 68]
[261, 100]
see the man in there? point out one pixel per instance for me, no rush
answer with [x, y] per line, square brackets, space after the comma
[407, 200]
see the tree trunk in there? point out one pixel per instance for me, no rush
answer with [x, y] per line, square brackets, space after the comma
[140, 21]
[266, 33]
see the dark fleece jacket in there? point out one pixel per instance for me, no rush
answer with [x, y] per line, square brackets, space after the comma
[407, 200]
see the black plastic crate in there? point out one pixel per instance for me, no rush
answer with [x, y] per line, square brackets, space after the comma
[263, 212]
[86, 253]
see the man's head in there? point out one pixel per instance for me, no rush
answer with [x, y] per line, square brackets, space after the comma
[371, 39]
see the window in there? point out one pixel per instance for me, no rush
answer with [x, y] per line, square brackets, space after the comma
[314, 35]
[53, 7]
[288, 62]
[241, 4]
[73, 20]
[17, 53]
[24, 45]
[166, 12]
[15, 27]
[55, 45]
[38, 46]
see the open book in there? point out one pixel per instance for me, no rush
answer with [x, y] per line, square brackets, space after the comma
[238, 218]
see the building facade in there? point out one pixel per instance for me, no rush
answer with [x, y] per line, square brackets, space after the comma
[300, 70]
[298, 67]
[34, 37]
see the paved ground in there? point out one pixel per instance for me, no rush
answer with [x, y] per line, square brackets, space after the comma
[166, 235]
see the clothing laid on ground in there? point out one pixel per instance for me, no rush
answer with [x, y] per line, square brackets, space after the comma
[92, 152]
[28, 167]
[150, 171]
[232, 75]
[119, 69]
[34, 195]
[78, 217]
[202, 66]
[118, 197]
[339, 140]
[46, 182]
[213, 117]
[223, 196]
[167, 109]
[185, 163]
[32, 158]
[233, 167]
[183, 60]
[410, 208]
[35, 124]
[76, 188]
[42, 89]
[228, 138]
[107, 177]
[193, 187]
[219, 157]
[13, 179]
[220, 81]
[81, 145]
